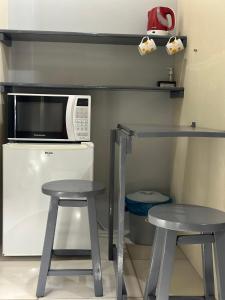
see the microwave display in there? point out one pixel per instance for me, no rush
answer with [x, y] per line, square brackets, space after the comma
[48, 117]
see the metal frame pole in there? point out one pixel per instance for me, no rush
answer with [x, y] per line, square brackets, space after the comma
[121, 208]
[111, 192]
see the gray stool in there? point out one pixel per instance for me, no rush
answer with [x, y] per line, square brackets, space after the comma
[71, 193]
[210, 227]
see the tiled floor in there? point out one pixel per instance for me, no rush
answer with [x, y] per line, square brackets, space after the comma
[18, 277]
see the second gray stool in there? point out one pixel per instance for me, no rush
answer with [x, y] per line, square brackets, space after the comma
[208, 223]
[71, 193]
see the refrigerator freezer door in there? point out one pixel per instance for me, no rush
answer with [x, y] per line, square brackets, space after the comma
[25, 168]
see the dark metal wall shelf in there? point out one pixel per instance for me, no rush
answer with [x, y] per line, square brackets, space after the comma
[17, 87]
[7, 36]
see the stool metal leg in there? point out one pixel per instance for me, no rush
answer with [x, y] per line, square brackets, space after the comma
[168, 255]
[208, 275]
[96, 260]
[153, 274]
[48, 245]
[219, 246]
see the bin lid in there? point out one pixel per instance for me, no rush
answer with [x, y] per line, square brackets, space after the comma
[148, 197]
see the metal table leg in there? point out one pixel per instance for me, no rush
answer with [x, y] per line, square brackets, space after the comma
[121, 207]
[111, 192]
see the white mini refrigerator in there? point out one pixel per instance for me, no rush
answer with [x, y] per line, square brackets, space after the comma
[25, 168]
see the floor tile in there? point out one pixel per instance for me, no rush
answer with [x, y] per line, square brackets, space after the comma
[142, 252]
[131, 281]
[18, 279]
[185, 280]
[82, 287]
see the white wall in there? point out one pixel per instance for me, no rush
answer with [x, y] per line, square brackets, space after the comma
[101, 64]
[199, 166]
[122, 16]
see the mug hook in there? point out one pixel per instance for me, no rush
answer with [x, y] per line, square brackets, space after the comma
[172, 37]
[144, 37]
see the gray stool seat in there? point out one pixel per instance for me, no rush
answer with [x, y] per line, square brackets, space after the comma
[71, 193]
[208, 226]
[72, 188]
[187, 218]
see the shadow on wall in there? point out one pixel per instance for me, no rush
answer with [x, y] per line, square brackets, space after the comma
[198, 179]
[200, 172]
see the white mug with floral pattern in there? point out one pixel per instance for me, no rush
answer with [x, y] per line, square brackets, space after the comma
[146, 46]
[174, 45]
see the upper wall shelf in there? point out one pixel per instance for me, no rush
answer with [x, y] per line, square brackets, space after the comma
[17, 87]
[7, 36]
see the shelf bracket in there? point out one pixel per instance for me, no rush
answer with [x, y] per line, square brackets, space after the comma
[2, 89]
[120, 133]
[5, 39]
[177, 94]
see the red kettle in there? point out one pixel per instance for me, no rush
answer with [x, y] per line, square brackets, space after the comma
[158, 23]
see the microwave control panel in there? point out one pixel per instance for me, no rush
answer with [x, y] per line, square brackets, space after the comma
[82, 119]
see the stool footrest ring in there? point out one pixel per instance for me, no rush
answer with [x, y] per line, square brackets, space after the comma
[72, 252]
[72, 203]
[69, 272]
[195, 239]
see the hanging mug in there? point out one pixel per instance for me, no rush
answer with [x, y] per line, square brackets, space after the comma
[146, 46]
[174, 45]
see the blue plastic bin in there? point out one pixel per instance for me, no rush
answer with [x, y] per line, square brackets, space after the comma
[138, 205]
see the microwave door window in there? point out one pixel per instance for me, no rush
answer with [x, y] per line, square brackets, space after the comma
[41, 117]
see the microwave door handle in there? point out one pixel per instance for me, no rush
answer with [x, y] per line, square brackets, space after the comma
[70, 122]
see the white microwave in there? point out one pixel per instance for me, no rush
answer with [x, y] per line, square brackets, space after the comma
[45, 117]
